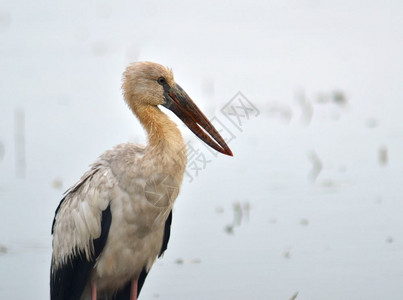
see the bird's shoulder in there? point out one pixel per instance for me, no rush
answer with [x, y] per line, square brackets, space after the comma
[92, 193]
[85, 200]
[122, 152]
[78, 216]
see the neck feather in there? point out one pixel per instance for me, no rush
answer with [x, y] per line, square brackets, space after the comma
[165, 141]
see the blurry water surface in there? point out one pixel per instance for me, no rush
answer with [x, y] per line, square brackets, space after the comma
[311, 202]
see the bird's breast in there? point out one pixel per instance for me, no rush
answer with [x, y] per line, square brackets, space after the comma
[136, 232]
[148, 184]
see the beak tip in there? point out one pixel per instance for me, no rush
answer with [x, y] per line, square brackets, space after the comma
[228, 152]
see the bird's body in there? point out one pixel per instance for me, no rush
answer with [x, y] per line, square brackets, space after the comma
[112, 225]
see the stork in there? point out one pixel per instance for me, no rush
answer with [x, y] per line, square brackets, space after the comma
[115, 221]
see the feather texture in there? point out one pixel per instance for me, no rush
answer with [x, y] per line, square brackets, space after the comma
[121, 192]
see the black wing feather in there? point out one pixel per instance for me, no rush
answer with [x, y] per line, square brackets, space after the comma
[68, 282]
[167, 234]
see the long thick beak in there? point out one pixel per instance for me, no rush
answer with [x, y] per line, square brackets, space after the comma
[180, 103]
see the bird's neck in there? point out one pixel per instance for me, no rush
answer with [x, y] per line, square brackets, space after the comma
[165, 141]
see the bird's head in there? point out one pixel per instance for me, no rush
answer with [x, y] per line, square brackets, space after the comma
[150, 84]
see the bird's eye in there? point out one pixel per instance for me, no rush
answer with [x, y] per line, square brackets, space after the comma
[162, 81]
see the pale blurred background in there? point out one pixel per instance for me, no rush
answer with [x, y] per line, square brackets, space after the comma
[310, 206]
